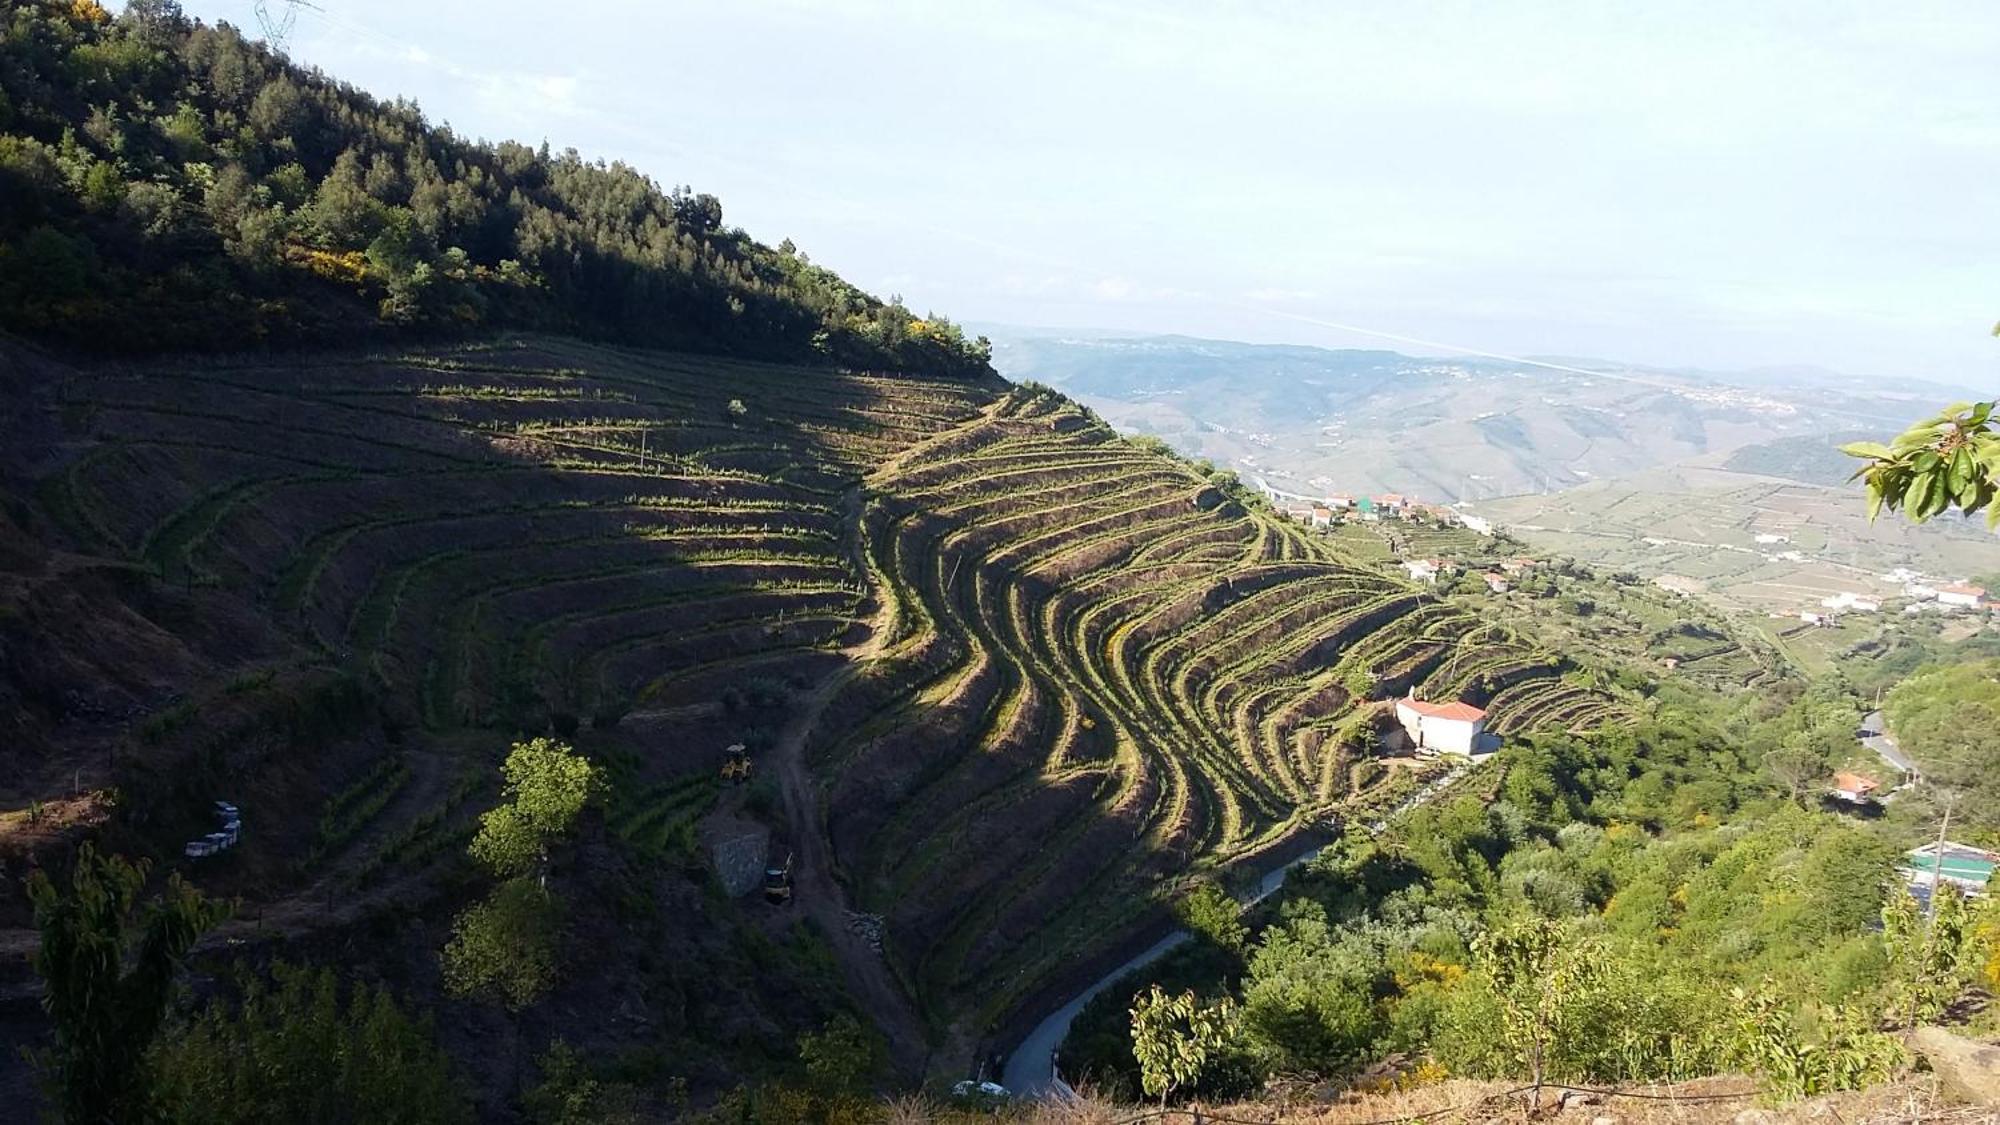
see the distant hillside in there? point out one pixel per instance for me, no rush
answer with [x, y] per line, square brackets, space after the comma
[165, 184]
[1316, 420]
[1813, 459]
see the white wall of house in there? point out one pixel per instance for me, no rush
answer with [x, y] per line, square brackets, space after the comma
[1452, 736]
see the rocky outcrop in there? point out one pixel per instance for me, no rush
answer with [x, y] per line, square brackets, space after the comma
[1967, 1071]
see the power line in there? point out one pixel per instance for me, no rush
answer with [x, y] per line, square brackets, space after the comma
[278, 29]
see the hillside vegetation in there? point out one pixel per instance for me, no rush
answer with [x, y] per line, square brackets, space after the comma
[1064, 671]
[165, 184]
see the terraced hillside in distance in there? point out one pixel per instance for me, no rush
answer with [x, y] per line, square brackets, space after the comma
[1040, 676]
[1101, 673]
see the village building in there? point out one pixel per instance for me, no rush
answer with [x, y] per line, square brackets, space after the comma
[1811, 618]
[1448, 728]
[1854, 788]
[1854, 602]
[1340, 500]
[1966, 867]
[1961, 597]
[1496, 582]
[1480, 524]
[1392, 502]
[1423, 570]
[1300, 512]
[1322, 517]
[1516, 566]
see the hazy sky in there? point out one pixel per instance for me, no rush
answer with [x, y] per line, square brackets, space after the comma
[1712, 184]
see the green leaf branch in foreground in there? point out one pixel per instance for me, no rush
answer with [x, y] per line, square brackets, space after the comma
[1944, 462]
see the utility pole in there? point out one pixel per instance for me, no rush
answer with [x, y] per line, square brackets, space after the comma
[278, 29]
[1937, 861]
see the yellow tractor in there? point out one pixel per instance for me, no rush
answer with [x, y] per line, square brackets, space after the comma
[736, 764]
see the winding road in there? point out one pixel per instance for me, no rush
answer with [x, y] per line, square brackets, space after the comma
[1031, 1066]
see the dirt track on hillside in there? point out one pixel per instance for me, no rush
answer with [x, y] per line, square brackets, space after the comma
[815, 890]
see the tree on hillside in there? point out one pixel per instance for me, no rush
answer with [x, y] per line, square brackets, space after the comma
[507, 945]
[1535, 969]
[1948, 720]
[840, 1057]
[1843, 1051]
[1926, 951]
[547, 785]
[294, 1049]
[108, 967]
[1209, 911]
[1794, 766]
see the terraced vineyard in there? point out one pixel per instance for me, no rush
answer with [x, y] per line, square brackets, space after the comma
[1058, 672]
[1104, 673]
[518, 534]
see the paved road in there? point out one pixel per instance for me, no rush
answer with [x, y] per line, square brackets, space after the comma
[1886, 746]
[1031, 1066]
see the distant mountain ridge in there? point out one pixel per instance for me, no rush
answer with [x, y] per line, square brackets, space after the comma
[1318, 419]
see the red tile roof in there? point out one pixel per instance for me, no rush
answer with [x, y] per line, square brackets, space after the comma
[1461, 712]
[1854, 782]
[1968, 591]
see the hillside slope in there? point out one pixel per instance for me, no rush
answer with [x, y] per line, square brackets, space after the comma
[1038, 673]
[1106, 675]
[168, 184]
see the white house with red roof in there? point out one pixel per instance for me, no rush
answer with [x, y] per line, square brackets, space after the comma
[1854, 788]
[1962, 597]
[1450, 728]
[1423, 570]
